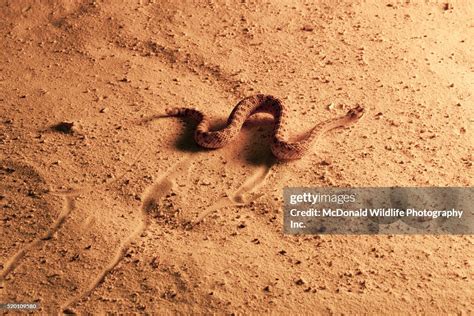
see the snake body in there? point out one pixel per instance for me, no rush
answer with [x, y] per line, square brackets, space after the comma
[281, 147]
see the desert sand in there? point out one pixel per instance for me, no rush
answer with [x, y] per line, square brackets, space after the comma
[109, 207]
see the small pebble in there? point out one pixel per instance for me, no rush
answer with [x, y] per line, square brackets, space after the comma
[300, 282]
[66, 127]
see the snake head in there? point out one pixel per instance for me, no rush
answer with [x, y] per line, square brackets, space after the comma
[356, 113]
[172, 111]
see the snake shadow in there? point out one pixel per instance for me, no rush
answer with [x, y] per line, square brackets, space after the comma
[256, 152]
[185, 141]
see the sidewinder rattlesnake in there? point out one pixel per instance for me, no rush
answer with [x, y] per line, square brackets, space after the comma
[281, 147]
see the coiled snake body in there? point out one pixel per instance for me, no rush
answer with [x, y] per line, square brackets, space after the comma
[281, 147]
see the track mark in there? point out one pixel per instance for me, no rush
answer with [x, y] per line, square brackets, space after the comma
[252, 184]
[68, 195]
[242, 196]
[159, 189]
[152, 194]
[13, 262]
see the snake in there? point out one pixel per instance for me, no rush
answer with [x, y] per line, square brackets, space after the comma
[281, 146]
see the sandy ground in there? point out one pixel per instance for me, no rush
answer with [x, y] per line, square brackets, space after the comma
[123, 212]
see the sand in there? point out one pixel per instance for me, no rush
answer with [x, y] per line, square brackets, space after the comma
[107, 207]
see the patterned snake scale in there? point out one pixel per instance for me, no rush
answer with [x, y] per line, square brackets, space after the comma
[281, 147]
